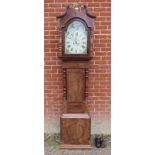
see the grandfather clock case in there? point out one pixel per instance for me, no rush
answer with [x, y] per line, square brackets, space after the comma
[76, 26]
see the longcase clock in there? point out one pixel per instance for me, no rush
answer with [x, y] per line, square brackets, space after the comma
[75, 122]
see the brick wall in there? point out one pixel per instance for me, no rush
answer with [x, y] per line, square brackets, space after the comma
[99, 91]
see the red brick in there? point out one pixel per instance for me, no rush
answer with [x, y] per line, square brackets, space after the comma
[99, 91]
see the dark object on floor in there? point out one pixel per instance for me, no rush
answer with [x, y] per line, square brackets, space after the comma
[98, 141]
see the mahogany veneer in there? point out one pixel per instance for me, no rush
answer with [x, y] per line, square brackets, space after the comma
[75, 130]
[75, 121]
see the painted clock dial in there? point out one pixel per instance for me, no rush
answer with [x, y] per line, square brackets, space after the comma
[76, 39]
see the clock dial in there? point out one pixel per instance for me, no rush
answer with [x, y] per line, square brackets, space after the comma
[76, 39]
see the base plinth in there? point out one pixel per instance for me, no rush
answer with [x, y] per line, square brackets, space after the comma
[67, 146]
[75, 131]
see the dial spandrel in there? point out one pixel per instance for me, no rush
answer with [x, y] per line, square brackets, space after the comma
[76, 39]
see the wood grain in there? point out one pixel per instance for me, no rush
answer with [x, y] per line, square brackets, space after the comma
[75, 131]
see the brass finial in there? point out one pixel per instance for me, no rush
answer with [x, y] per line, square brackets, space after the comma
[76, 5]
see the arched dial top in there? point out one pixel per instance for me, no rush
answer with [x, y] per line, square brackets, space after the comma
[76, 26]
[76, 37]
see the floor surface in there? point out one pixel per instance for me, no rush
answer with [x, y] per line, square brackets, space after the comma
[52, 148]
[103, 151]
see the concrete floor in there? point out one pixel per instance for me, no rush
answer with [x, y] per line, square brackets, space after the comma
[104, 151]
[52, 148]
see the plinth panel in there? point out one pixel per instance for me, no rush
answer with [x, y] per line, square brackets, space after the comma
[75, 129]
